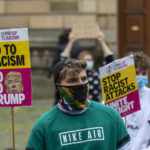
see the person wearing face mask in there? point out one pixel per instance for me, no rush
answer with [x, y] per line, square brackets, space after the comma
[138, 123]
[76, 122]
[93, 76]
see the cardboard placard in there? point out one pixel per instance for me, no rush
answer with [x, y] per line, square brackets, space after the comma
[119, 86]
[15, 68]
[85, 31]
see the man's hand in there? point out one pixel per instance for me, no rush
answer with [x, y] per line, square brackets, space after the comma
[101, 36]
[71, 37]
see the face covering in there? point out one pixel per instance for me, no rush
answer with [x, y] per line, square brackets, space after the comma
[90, 65]
[141, 81]
[74, 96]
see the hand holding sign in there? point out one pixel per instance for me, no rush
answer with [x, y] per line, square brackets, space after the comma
[72, 37]
[101, 36]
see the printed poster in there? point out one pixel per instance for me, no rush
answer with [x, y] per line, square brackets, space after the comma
[15, 68]
[119, 86]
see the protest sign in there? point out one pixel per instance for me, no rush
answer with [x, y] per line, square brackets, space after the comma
[15, 68]
[119, 86]
[85, 30]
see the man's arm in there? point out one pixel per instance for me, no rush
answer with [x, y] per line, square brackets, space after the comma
[124, 141]
[108, 54]
[105, 48]
[67, 51]
[123, 138]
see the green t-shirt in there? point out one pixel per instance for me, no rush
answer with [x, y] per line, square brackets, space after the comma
[99, 128]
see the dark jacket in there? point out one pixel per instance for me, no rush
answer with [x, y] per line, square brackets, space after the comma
[76, 49]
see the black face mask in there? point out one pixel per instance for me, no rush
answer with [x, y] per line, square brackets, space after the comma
[76, 92]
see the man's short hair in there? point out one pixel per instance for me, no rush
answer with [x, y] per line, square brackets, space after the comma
[141, 60]
[69, 66]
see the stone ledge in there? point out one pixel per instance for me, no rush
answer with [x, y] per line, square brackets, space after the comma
[13, 21]
[37, 6]
[107, 22]
[110, 35]
[69, 20]
[107, 6]
[46, 22]
[63, 6]
[49, 38]
[87, 6]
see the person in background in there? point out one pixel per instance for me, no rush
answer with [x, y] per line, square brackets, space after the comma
[138, 123]
[77, 123]
[93, 76]
[62, 44]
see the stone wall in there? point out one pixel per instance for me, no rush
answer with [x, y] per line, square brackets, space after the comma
[58, 15]
[47, 18]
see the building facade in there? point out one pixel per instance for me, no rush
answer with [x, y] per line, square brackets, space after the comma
[47, 18]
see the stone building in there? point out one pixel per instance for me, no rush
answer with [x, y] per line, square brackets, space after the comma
[46, 19]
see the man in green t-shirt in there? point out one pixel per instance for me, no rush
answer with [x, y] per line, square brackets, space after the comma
[77, 123]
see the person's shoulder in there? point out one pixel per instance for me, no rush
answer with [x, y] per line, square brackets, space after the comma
[46, 119]
[61, 46]
[145, 90]
[106, 110]
[48, 116]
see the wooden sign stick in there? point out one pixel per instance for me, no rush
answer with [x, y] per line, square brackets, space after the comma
[13, 127]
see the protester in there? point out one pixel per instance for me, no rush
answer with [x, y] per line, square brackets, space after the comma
[138, 123]
[13, 82]
[62, 44]
[93, 76]
[77, 123]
